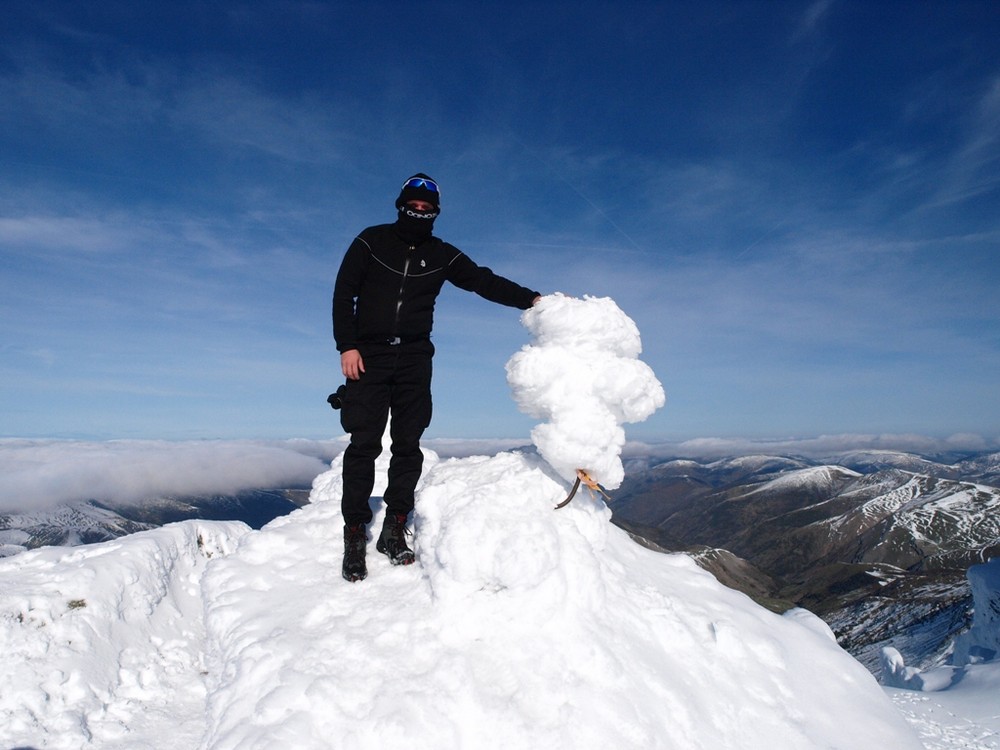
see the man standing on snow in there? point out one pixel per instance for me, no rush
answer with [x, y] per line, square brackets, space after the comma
[383, 308]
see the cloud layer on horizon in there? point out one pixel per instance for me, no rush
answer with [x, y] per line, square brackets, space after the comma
[36, 475]
[40, 474]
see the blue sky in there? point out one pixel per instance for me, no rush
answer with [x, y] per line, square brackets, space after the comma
[795, 201]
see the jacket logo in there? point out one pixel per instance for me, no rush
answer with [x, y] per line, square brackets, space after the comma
[423, 263]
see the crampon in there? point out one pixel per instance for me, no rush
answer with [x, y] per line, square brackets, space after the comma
[582, 477]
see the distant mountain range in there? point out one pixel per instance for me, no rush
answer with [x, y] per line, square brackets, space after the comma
[96, 521]
[877, 543]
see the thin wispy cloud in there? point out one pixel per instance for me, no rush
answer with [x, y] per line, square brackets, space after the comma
[974, 168]
[69, 234]
[811, 19]
[232, 114]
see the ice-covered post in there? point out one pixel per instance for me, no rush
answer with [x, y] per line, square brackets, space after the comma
[581, 375]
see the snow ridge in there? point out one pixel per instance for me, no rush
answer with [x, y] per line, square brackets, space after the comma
[518, 627]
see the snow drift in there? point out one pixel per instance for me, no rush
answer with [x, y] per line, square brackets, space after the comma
[518, 627]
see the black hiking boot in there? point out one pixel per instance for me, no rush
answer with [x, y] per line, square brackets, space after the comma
[355, 541]
[392, 541]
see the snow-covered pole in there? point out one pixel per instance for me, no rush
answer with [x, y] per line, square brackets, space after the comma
[582, 376]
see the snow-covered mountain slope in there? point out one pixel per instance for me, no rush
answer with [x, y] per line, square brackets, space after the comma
[880, 556]
[872, 461]
[519, 627]
[983, 468]
[65, 525]
[914, 521]
[814, 481]
[917, 614]
[90, 521]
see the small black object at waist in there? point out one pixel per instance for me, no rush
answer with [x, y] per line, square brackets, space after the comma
[403, 340]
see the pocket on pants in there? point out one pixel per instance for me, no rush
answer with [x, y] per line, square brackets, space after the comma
[353, 412]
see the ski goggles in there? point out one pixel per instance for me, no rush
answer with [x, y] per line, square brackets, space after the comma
[422, 182]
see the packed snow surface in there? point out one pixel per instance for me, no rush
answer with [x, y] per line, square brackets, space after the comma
[104, 644]
[518, 627]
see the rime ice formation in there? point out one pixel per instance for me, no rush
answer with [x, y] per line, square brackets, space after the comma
[582, 376]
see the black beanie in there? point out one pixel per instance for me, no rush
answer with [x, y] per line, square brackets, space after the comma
[419, 193]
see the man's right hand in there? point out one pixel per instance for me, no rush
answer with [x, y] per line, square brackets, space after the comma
[351, 364]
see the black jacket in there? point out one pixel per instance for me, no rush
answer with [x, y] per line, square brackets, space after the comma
[387, 286]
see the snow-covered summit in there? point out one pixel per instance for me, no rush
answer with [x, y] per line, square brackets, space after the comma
[519, 627]
[809, 480]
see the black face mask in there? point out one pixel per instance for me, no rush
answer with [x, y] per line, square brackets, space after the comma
[415, 225]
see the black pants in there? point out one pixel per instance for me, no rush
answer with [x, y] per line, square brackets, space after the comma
[396, 379]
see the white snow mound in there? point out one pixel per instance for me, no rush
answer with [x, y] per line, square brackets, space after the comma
[581, 374]
[517, 627]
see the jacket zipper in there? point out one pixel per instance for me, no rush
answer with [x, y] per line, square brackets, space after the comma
[399, 300]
